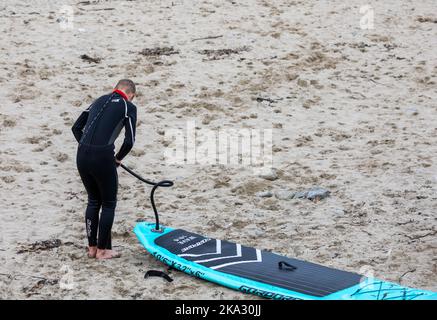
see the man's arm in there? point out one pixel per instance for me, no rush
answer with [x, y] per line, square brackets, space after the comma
[79, 125]
[81, 122]
[130, 123]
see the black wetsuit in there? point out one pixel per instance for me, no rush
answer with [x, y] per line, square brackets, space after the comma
[96, 130]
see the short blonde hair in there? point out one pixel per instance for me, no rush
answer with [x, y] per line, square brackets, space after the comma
[126, 85]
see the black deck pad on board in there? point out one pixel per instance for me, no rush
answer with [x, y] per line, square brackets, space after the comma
[262, 266]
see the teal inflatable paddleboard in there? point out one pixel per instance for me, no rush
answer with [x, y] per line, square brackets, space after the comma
[263, 273]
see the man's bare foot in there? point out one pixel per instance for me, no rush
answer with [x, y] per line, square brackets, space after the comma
[92, 251]
[107, 254]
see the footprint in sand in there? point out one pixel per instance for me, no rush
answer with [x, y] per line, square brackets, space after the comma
[61, 157]
[14, 165]
[8, 179]
[43, 146]
[34, 139]
[24, 92]
[9, 123]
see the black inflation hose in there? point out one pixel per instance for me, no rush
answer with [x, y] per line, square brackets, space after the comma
[163, 183]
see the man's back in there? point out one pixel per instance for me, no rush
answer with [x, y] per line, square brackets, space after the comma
[102, 122]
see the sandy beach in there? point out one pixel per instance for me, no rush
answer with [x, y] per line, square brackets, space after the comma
[351, 110]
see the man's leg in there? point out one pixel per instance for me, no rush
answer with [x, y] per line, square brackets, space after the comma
[108, 186]
[109, 243]
[92, 211]
[92, 220]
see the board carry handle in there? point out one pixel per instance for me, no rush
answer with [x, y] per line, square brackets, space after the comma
[288, 267]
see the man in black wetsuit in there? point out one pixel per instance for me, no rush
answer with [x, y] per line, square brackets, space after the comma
[96, 130]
